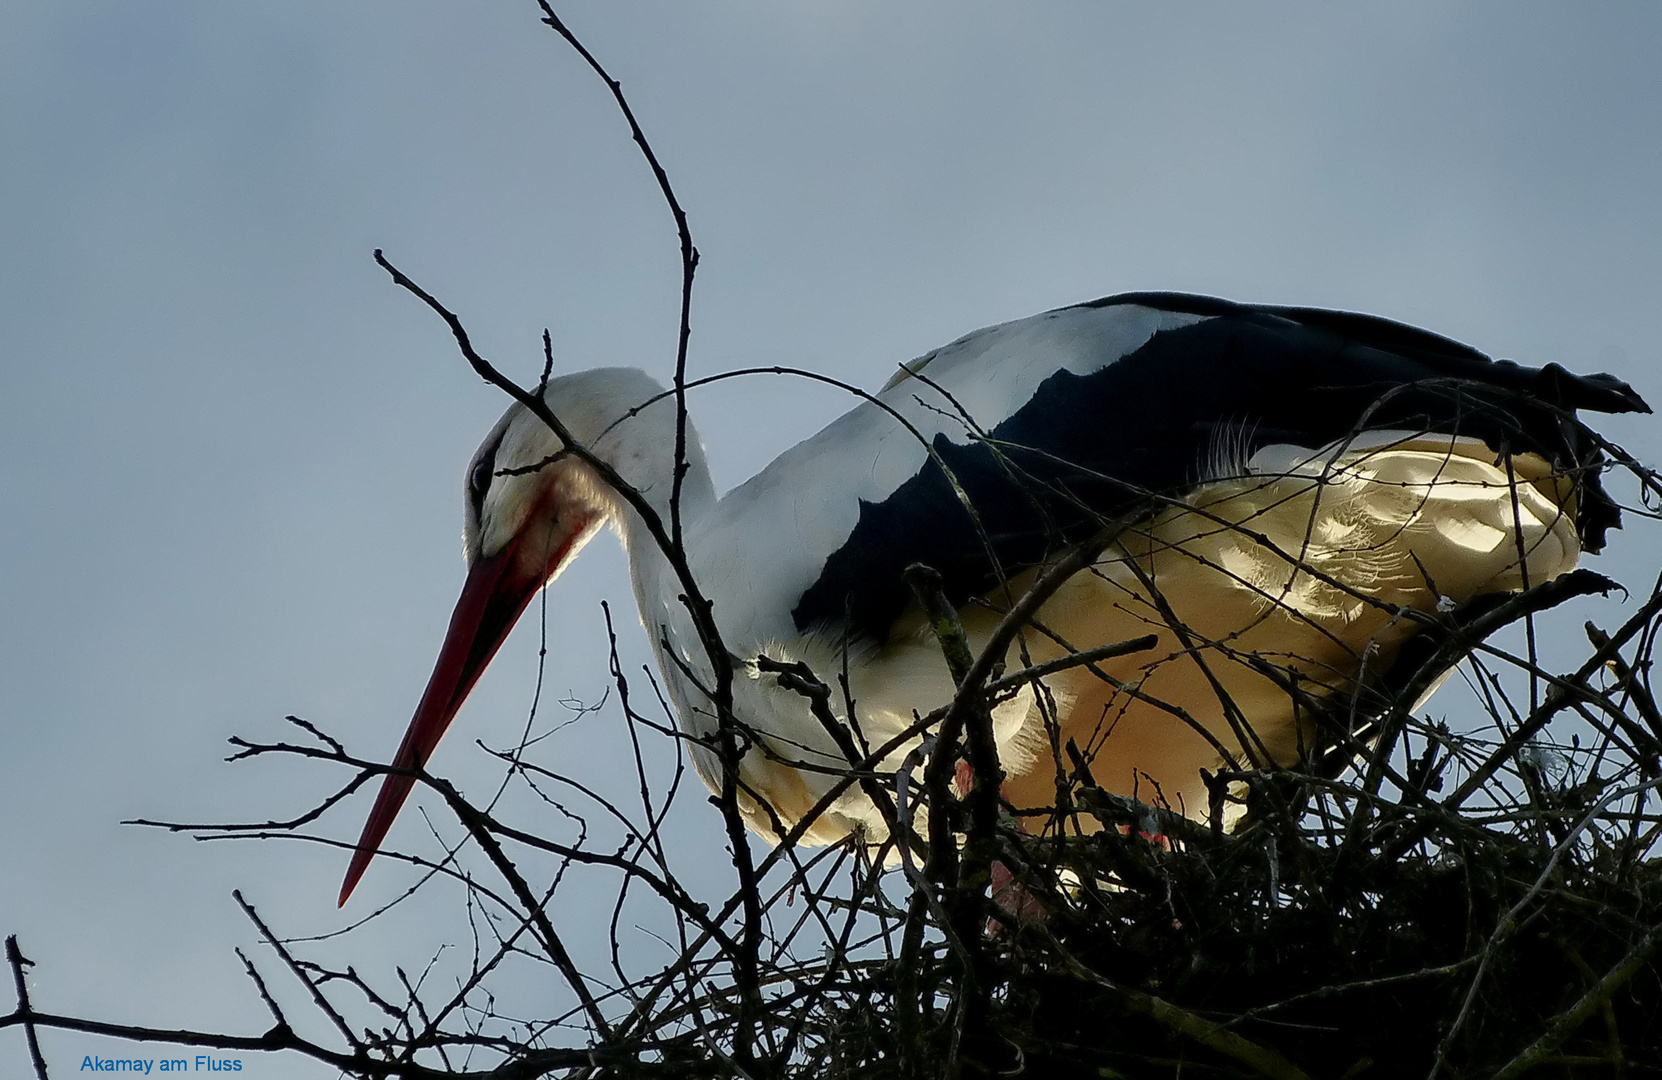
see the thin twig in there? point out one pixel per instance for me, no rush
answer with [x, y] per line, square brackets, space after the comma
[311, 986]
[24, 1013]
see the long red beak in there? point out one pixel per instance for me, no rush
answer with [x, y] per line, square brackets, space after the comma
[496, 593]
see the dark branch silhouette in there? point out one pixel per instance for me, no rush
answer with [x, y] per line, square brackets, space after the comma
[1354, 912]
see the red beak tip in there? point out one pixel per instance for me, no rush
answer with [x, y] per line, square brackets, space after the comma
[354, 874]
[495, 594]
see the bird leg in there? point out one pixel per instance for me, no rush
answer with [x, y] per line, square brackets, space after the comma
[1006, 892]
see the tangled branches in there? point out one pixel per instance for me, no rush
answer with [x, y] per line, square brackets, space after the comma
[1440, 897]
[1412, 895]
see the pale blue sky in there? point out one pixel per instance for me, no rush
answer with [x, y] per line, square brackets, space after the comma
[231, 451]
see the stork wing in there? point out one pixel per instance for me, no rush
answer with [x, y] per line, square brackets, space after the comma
[1039, 430]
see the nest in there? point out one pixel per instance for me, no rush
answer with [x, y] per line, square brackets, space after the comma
[1424, 901]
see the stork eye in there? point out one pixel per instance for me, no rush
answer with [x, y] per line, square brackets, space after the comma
[479, 480]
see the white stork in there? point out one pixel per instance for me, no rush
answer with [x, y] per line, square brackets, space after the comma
[1294, 477]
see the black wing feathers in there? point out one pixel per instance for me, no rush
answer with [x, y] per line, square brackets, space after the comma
[1089, 447]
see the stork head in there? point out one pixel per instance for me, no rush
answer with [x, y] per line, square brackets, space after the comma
[531, 506]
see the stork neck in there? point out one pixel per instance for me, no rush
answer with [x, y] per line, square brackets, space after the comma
[698, 495]
[657, 586]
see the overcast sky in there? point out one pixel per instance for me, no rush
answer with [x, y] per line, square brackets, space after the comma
[231, 451]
